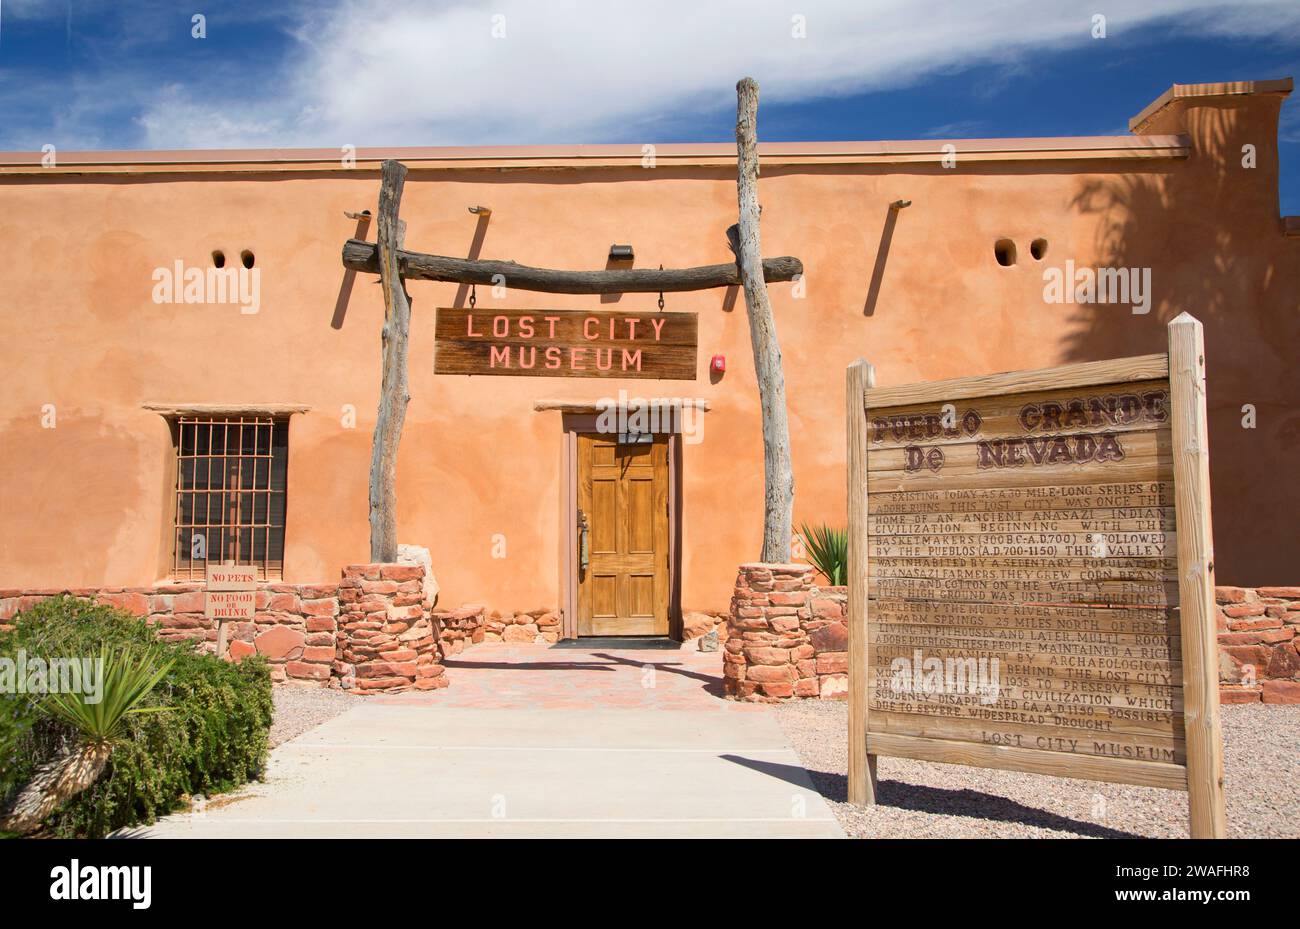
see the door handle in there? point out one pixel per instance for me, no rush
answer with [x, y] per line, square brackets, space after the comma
[584, 548]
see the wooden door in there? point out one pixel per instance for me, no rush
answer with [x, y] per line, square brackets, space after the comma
[623, 499]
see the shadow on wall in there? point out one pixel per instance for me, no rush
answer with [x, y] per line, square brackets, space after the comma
[882, 258]
[1212, 237]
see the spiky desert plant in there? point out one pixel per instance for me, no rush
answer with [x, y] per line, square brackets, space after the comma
[126, 680]
[828, 550]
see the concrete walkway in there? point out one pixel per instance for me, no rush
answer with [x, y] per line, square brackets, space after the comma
[533, 741]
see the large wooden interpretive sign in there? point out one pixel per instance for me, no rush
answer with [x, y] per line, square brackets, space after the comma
[1031, 575]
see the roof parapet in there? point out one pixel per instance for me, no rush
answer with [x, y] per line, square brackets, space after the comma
[1153, 116]
[694, 155]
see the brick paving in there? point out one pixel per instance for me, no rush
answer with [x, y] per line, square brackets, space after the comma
[504, 676]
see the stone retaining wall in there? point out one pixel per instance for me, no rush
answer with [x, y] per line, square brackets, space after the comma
[294, 626]
[788, 639]
[372, 631]
[294, 629]
[1259, 629]
[540, 626]
[472, 623]
[698, 623]
[459, 629]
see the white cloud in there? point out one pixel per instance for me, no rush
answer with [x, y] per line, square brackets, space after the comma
[1289, 127]
[181, 123]
[33, 9]
[962, 129]
[407, 73]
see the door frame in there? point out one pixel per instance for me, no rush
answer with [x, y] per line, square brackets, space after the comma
[573, 424]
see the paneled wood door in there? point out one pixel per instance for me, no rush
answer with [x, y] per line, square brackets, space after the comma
[623, 495]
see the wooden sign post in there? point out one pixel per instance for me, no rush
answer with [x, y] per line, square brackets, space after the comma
[1031, 576]
[231, 594]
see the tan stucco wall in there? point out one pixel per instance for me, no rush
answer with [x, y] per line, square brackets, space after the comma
[86, 503]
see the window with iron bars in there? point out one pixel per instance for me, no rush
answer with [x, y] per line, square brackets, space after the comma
[231, 473]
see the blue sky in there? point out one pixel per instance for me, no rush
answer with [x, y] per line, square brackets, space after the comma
[85, 74]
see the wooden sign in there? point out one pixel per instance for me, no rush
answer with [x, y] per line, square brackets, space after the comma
[1031, 578]
[231, 577]
[566, 343]
[230, 604]
[231, 592]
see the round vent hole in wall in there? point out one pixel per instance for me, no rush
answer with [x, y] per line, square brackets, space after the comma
[1004, 250]
[1038, 248]
[247, 258]
[218, 259]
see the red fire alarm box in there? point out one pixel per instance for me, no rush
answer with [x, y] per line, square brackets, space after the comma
[718, 364]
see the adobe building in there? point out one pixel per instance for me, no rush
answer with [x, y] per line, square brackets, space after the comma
[128, 392]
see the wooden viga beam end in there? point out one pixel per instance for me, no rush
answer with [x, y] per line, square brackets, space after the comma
[363, 256]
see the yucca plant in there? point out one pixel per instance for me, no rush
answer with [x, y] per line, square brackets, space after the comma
[127, 678]
[828, 550]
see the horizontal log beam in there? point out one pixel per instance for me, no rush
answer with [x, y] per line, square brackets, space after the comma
[224, 409]
[598, 406]
[363, 256]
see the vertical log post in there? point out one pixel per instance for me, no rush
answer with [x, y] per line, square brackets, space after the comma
[778, 473]
[862, 767]
[1190, 437]
[393, 391]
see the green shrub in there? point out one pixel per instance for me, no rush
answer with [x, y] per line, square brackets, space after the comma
[828, 550]
[213, 739]
[58, 626]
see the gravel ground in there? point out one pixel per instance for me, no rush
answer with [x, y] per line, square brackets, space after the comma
[918, 799]
[299, 708]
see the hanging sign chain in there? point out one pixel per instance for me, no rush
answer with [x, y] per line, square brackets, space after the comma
[473, 296]
[661, 294]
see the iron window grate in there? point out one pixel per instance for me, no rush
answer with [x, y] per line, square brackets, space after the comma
[230, 493]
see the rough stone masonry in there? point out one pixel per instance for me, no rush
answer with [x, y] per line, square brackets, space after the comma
[373, 631]
[788, 639]
[785, 637]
